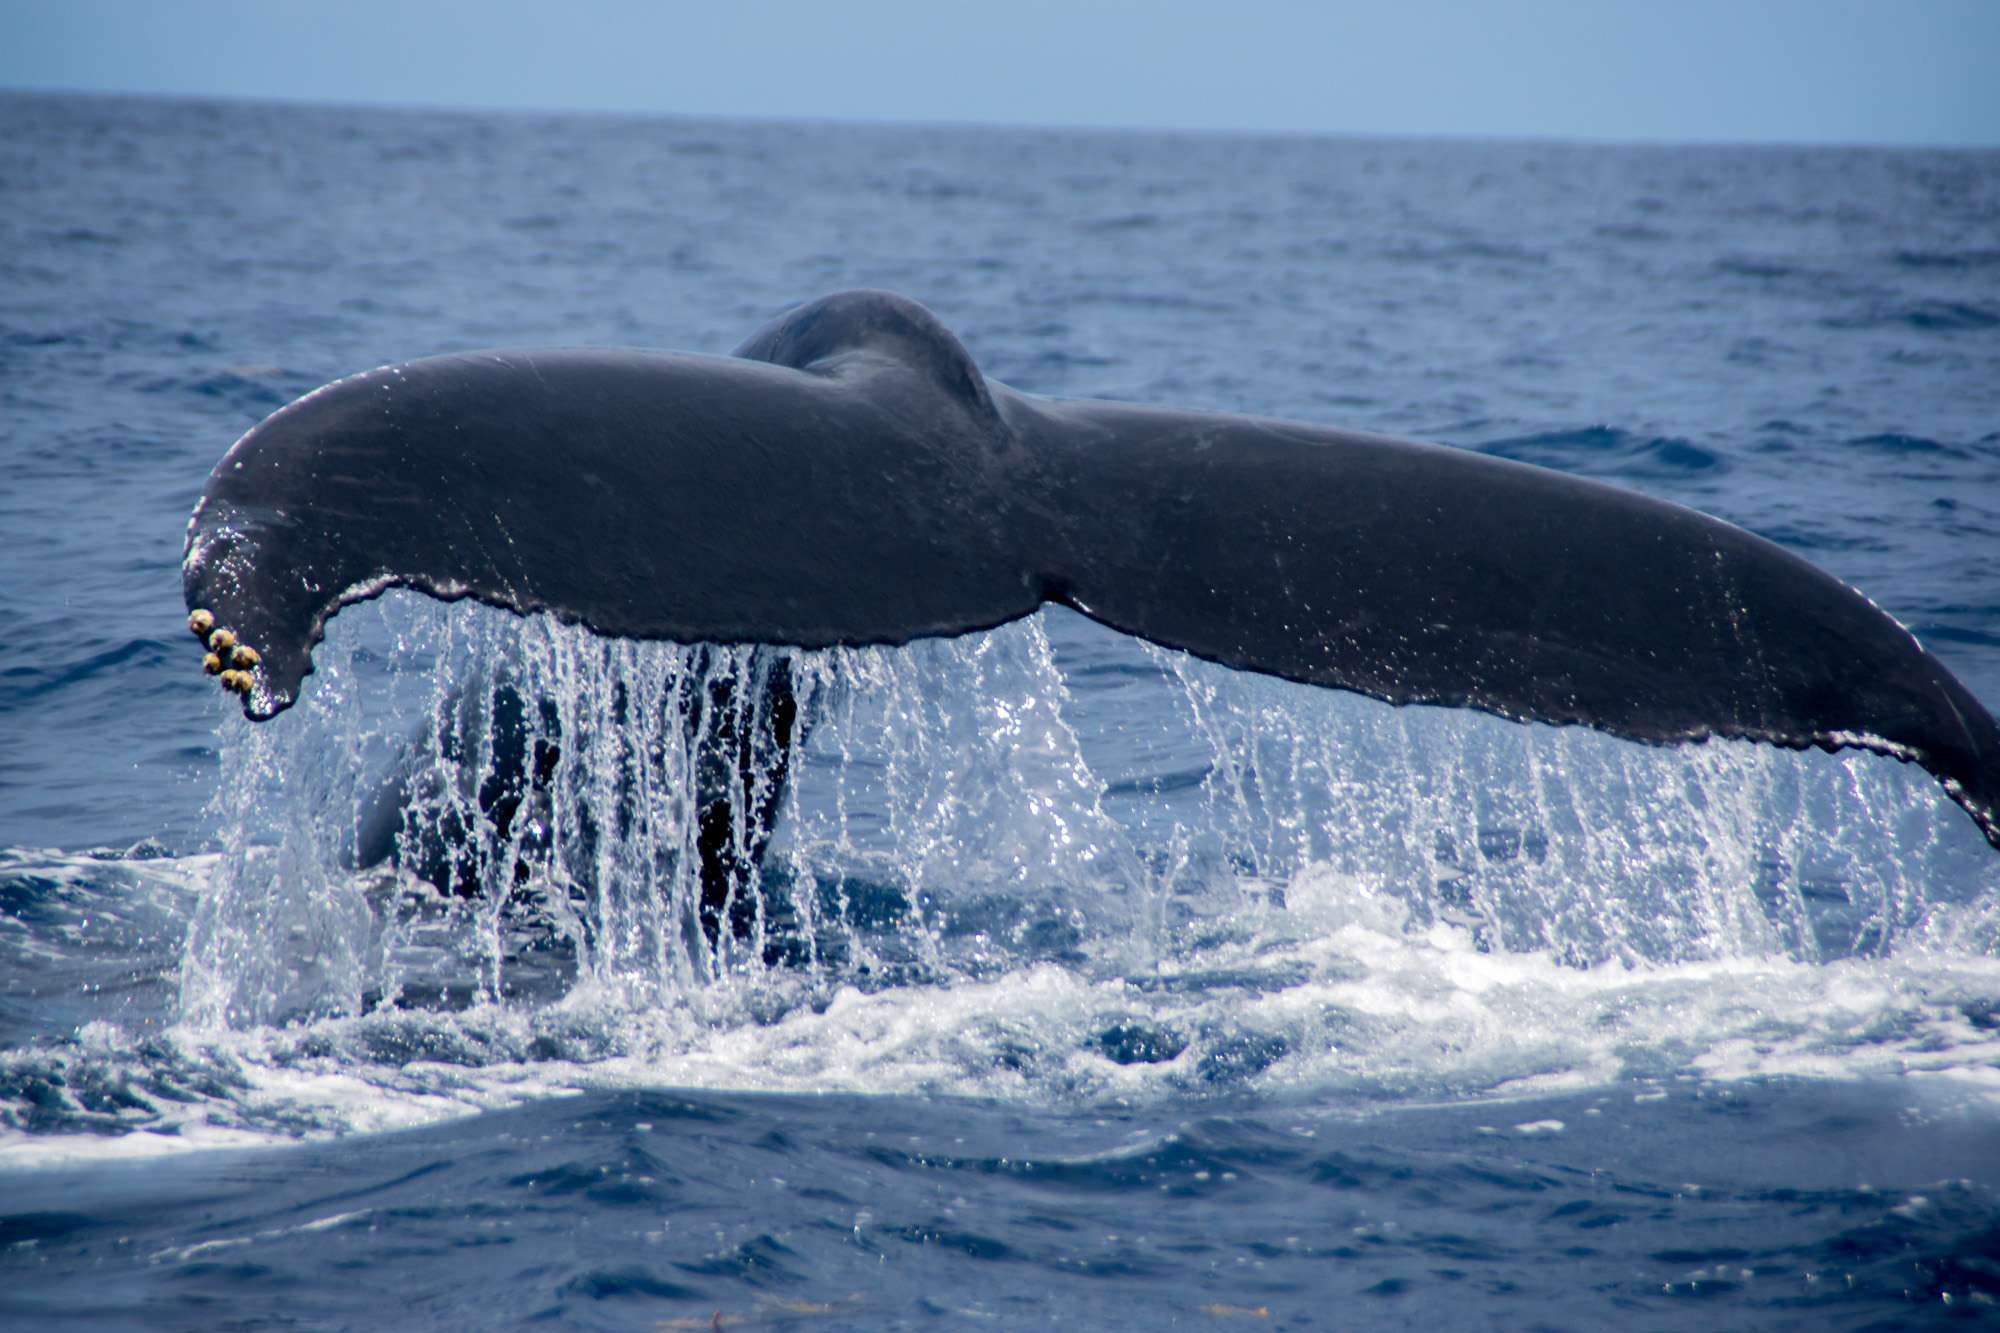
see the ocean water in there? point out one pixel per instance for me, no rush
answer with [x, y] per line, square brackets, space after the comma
[1098, 987]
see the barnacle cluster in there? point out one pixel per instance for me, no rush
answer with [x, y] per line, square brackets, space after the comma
[233, 664]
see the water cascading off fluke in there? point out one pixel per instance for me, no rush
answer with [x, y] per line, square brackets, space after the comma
[885, 814]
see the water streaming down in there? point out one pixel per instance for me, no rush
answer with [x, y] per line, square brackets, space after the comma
[941, 816]
[946, 819]
[1564, 840]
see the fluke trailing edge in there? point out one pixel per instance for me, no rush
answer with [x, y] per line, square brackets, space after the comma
[849, 477]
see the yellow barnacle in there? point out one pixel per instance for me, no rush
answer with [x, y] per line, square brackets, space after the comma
[201, 622]
[245, 657]
[212, 665]
[222, 641]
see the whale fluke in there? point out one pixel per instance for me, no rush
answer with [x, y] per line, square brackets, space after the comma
[849, 477]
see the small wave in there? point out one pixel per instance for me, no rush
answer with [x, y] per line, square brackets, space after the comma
[251, 388]
[1905, 445]
[1747, 266]
[1630, 231]
[1452, 252]
[1948, 259]
[1959, 621]
[1142, 300]
[1680, 456]
[1055, 358]
[440, 149]
[1819, 537]
[1931, 631]
[19, 685]
[13, 337]
[1608, 450]
[1951, 315]
[1124, 222]
[1930, 316]
[929, 184]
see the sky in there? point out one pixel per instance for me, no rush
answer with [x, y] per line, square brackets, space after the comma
[1841, 71]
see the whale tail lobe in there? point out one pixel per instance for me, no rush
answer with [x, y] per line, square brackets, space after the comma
[1418, 574]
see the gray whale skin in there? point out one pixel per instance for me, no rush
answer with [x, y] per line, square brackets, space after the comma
[849, 476]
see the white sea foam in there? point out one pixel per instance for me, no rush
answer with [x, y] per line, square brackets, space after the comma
[1371, 1016]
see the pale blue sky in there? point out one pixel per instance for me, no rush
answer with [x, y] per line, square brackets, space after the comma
[1870, 71]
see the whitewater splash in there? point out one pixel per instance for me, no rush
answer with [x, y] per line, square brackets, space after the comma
[942, 802]
[1041, 865]
[954, 810]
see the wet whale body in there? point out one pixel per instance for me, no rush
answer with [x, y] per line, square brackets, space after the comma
[848, 476]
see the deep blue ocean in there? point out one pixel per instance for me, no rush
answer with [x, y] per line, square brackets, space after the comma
[1121, 990]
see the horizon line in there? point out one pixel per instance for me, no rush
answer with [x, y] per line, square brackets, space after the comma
[1053, 127]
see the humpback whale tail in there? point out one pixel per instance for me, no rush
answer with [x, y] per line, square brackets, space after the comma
[849, 477]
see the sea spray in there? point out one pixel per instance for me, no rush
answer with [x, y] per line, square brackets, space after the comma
[977, 887]
[1567, 841]
[945, 815]
[545, 782]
